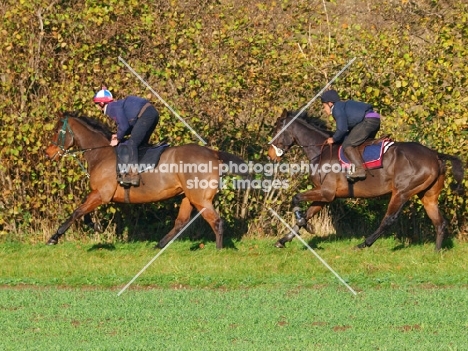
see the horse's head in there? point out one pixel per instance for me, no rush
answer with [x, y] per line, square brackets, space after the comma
[62, 140]
[283, 138]
[297, 128]
[82, 132]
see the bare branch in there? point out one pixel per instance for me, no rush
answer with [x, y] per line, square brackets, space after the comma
[328, 25]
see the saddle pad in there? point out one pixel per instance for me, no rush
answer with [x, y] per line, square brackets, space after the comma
[150, 156]
[372, 154]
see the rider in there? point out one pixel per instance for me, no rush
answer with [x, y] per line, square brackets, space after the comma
[355, 122]
[134, 116]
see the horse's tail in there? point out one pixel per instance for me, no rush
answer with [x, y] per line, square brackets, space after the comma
[235, 164]
[457, 170]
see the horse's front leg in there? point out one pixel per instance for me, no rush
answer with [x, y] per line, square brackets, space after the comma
[318, 197]
[318, 201]
[287, 238]
[92, 201]
[311, 211]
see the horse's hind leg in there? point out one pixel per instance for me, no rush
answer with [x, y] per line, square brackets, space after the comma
[394, 207]
[429, 199]
[182, 219]
[212, 217]
[92, 201]
[88, 221]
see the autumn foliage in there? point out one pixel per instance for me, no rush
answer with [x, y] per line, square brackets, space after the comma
[228, 68]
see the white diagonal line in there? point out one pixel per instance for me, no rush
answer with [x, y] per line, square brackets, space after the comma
[313, 99]
[160, 252]
[313, 251]
[162, 100]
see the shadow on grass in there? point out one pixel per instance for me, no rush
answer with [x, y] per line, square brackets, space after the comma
[228, 243]
[102, 246]
[200, 233]
[447, 244]
[315, 242]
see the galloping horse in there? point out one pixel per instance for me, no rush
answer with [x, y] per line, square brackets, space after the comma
[408, 169]
[92, 138]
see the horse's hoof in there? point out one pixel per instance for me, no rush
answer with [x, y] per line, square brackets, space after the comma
[279, 245]
[51, 242]
[301, 223]
[98, 228]
[361, 246]
[310, 228]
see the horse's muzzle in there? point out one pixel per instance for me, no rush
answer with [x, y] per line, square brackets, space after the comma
[275, 153]
[52, 152]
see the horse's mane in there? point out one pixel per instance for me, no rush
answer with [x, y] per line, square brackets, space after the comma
[92, 123]
[311, 122]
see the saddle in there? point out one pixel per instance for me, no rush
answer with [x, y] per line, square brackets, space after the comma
[148, 156]
[371, 151]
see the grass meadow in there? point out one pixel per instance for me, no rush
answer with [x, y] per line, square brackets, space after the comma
[250, 296]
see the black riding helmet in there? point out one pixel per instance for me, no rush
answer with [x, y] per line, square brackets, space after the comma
[330, 96]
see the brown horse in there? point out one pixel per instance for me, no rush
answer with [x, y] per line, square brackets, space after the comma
[199, 185]
[409, 169]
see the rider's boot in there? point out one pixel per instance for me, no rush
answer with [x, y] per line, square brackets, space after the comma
[353, 156]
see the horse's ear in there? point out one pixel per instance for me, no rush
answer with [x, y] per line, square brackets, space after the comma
[60, 115]
[284, 114]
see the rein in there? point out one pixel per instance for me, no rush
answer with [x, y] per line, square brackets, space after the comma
[73, 153]
[322, 147]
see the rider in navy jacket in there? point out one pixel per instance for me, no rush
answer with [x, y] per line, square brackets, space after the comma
[124, 113]
[134, 116]
[348, 114]
[355, 122]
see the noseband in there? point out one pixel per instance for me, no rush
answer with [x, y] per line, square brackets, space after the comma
[62, 134]
[62, 151]
[279, 151]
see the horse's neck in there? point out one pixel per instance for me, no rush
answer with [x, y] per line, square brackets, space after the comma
[86, 138]
[310, 140]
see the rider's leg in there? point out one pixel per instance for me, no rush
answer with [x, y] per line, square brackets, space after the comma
[368, 128]
[141, 134]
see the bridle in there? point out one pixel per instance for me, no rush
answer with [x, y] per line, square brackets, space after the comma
[62, 134]
[62, 151]
[280, 151]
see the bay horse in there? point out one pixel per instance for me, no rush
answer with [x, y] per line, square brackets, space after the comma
[91, 137]
[408, 169]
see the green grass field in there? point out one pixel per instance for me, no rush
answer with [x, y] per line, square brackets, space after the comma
[251, 296]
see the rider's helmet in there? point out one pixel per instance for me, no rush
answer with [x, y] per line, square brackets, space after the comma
[330, 96]
[103, 96]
